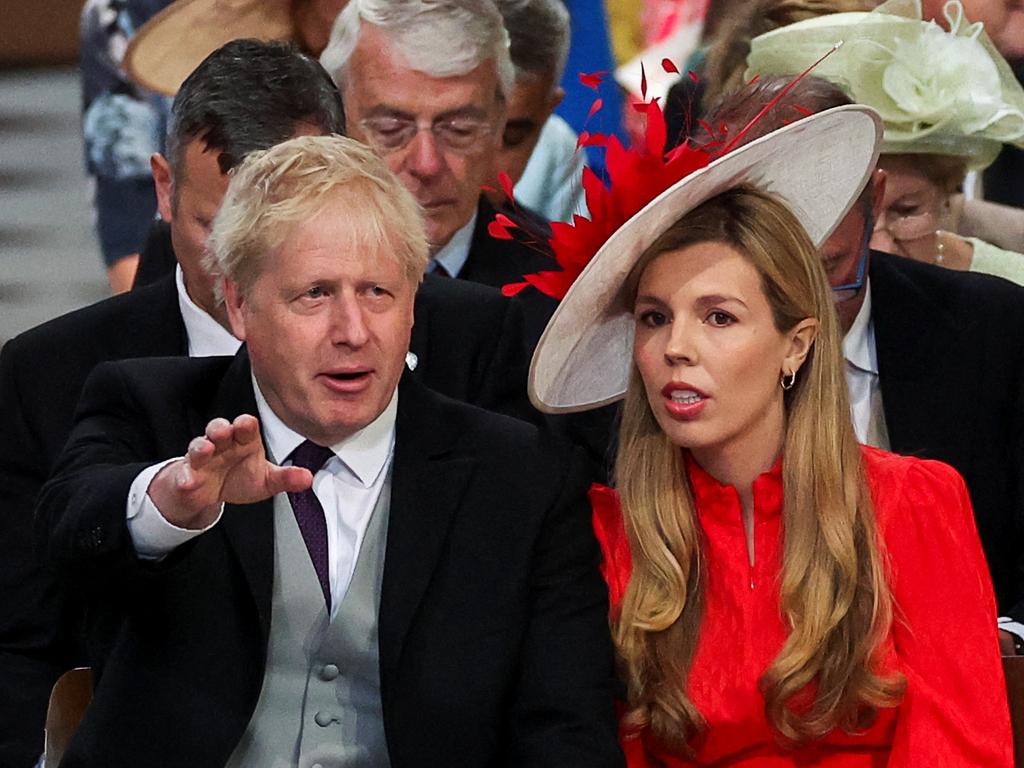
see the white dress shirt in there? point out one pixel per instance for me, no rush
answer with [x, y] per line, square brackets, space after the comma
[348, 487]
[862, 372]
[206, 337]
[552, 182]
[454, 254]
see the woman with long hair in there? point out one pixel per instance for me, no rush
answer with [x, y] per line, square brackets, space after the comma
[781, 596]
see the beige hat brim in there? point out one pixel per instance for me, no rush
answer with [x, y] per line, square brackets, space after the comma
[817, 166]
[165, 50]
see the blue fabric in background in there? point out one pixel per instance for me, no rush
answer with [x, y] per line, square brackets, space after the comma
[591, 52]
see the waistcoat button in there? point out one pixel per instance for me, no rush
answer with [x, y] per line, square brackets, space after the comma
[329, 672]
[323, 719]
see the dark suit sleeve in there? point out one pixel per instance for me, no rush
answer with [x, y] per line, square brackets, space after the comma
[81, 523]
[563, 714]
[30, 656]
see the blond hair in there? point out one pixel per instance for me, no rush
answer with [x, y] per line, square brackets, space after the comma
[275, 189]
[834, 594]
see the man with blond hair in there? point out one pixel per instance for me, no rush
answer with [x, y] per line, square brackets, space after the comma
[318, 561]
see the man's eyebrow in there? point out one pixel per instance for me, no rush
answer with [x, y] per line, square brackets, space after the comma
[469, 110]
[382, 110]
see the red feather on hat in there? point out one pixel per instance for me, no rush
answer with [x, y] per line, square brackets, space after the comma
[637, 175]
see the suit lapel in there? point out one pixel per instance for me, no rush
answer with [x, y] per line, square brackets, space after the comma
[165, 295]
[249, 528]
[428, 481]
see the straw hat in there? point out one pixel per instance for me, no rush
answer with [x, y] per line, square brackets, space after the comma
[817, 165]
[169, 46]
[938, 92]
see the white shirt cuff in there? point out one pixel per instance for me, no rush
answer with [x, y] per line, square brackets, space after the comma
[153, 536]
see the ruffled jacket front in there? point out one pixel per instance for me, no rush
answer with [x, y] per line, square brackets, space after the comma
[944, 641]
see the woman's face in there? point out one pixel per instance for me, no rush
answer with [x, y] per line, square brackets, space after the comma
[709, 353]
[913, 209]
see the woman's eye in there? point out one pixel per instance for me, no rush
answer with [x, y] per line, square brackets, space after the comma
[906, 210]
[653, 319]
[720, 318]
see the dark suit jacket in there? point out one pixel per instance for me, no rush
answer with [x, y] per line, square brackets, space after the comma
[468, 342]
[41, 375]
[494, 646]
[497, 263]
[951, 365]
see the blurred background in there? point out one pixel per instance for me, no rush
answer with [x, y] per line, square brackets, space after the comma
[49, 260]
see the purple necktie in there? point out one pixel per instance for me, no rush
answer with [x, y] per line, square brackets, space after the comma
[310, 514]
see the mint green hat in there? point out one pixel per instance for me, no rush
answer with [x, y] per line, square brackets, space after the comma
[938, 92]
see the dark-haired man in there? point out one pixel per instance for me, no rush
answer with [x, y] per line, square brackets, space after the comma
[934, 357]
[246, 96]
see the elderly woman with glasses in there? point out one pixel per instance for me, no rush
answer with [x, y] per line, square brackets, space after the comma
[948, 100]
[777, 590]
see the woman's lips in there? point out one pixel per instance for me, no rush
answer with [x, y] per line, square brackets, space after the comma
[683, 401]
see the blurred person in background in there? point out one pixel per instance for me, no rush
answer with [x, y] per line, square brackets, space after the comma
[124, 117]
[949, 102]
[538, 148]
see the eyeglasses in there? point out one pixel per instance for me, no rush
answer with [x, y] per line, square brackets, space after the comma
[846, 291]
[910, 226]
[461, 135]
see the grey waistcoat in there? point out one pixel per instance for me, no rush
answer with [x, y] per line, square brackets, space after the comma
[320, 703]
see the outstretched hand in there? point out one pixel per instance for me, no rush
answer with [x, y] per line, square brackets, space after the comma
[225, 465]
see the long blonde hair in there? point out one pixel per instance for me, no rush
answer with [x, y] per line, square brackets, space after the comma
[834, 594]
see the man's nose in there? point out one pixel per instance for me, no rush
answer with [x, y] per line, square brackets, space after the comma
[882, 240]
[348, 324]
[424, 158]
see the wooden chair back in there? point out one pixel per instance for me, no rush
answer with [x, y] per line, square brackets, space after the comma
[70, 696]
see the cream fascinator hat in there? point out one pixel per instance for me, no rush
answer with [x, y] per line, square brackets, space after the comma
[938, 92]
[170, 45]
[817, 165]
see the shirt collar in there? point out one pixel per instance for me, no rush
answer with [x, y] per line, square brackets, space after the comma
[206, 337]
[454, 254]
[364, 453]
[859, 342]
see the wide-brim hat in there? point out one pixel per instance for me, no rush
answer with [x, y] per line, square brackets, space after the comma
[165, 50]
[937, 91]
[817, 166]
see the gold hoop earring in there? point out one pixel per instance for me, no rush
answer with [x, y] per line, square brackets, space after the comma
[788, 380]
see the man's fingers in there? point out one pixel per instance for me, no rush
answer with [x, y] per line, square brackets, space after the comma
[246, 429]
[200, 451]
[219, 432]
[288, 479]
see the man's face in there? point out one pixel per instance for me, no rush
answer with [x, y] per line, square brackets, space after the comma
[381, 90]
[188, 200]
[327, 325]
[842, 252]
[531, 104]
